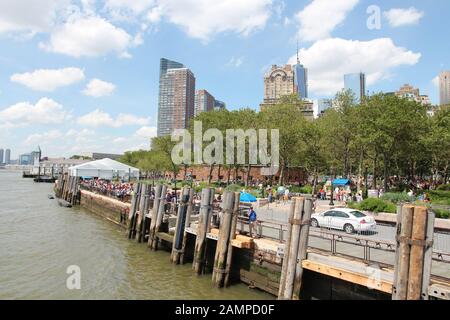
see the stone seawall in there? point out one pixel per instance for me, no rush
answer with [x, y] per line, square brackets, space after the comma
[108, 208]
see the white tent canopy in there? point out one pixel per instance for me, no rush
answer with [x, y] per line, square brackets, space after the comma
[104, 169]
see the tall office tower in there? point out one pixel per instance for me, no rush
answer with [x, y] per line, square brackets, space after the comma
[301, 79]
[1, 156]
[7, 156]
[219, 105]
[356, 82]
[278, 82]
[444, 87]
[204, 101]
[176, 97]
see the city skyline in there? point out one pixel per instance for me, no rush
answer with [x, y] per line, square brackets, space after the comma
[75, 96]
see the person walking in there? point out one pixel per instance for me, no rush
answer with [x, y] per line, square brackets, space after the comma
[252, 218]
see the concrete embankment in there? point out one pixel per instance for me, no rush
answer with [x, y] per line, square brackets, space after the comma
[108, 208]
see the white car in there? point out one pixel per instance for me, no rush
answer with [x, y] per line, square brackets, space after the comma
[349, 220]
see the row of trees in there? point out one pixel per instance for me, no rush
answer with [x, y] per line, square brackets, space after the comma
[386, 134]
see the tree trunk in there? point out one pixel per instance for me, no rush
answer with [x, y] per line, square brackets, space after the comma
[361, 155]
[249, 167]
[314, 181]
[374, 181]
[386, 171]
[229, 173]
[280, 180]
[218, 173]
[211, 168]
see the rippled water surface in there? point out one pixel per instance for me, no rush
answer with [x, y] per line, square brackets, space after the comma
[39, 240]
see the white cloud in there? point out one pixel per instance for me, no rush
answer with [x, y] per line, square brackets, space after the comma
[49, 79]
[88, 36]
[98, 118]
[146, 132]
[328, 60]
[235, 62]
[27, 16]
[201, 19]
[319, 18]
[436, 81]
[98, 88]
[402, 17]
[45, 111]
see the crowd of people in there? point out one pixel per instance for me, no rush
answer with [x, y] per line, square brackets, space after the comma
[118, 190]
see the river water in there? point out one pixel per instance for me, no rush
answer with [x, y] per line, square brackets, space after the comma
[39, 240]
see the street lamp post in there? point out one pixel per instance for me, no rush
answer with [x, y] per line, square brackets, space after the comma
[332, 190]
[366, 191]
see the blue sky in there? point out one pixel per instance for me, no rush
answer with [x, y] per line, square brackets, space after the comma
[82, 75]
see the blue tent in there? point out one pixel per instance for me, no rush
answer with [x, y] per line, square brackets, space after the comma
[341, 182]
[246, 197]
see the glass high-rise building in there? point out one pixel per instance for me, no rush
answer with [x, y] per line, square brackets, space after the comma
[356, 82]
[176, 97]
[204, 101]
[7, 156]
[301, 80]
[1, 156]
[444, 88]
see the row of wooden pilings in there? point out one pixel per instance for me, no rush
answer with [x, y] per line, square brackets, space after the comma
[415, 227]
[147, 220]
[67, 188]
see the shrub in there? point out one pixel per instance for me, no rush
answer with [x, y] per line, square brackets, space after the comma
[444, 187]
[375, 205]
[441, 213]
[396, 197]
[305, 189]
[234, 187]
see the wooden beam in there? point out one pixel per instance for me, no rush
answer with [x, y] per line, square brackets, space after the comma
[353, 277]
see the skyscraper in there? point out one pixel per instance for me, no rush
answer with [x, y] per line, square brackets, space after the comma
[204, 101]
[278, 82]
[444, 87]
[7, 156]
[1, 156]
[219, 105]
[356, 82]
[301, 79]
[176, 97]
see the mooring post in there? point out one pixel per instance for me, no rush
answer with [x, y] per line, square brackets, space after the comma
[203, 222]
[427, 259]
[220, 259]
[143, 208]
[158, 220]
[287, 245]
[398, 229]
[302, 247]
[418, 235]
[293, 248]
[134, 204]
[404, 252]
[187, 224]
[155, 208]
[179, 227]
[234, 220]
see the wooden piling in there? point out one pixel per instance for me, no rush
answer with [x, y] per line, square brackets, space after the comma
[234, 219]
[203, 222]
[416, 255]
[302, 247]
[286, 253]
[293, 248]
[134, 204]
[155, 208]
[187, 224]
[404, 252]
[220, 259]
[180, 226]
[143, 209]
[427, 259]
[397, 251]
[154, 238]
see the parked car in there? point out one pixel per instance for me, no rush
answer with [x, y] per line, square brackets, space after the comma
[348, 220]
